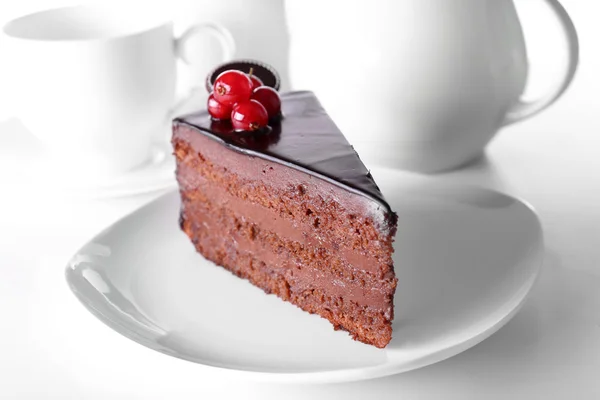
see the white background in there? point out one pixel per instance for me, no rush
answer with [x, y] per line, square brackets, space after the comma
[550, 350]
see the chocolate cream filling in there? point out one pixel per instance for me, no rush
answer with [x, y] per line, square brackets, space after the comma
[283, 225]
[299, 277]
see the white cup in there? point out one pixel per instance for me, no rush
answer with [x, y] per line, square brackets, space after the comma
[97, 85]
[258, 27]
[420, 84]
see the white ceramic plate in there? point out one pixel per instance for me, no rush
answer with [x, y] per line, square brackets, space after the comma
[157, 173]
[37, 169]
[466, 259]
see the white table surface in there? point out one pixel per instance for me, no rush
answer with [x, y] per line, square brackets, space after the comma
[53, 348]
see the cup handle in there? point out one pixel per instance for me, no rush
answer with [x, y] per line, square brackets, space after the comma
[525, 109]
[217, 31]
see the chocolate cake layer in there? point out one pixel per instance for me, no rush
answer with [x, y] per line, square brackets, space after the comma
[368, 228]
[200, 189]
[271, 221]
[346, 309]
[295, 212]
[285, 258]
[300, 230]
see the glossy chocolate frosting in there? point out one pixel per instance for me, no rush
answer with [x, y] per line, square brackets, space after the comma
[306, 139]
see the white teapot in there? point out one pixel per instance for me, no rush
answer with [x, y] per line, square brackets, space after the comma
[418, 84]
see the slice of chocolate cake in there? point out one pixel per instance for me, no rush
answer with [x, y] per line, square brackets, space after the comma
[294, 211]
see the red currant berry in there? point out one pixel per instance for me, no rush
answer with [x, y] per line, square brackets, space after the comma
[232, 87]
[216, 109]
[269, 98]
[249, 115]
[256, 82]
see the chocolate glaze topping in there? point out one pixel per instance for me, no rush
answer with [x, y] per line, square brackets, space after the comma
[305, 139]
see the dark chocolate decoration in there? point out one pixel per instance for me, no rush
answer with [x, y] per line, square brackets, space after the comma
[306, 139]
[267, 74]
